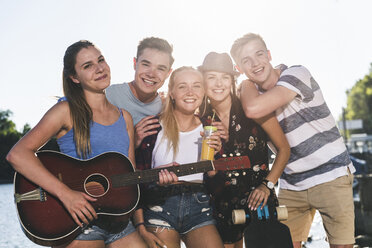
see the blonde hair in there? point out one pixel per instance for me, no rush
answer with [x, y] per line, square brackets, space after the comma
[239, 43]
[167, 118]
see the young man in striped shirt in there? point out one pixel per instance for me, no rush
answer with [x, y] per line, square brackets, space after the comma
[318, 175]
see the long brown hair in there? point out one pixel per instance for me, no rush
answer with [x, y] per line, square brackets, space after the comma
[167, 118]
[206, 106]
[80, 111]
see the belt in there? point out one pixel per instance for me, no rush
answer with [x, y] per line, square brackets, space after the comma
[161, 193]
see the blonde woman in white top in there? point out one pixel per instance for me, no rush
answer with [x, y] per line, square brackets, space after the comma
[180, 211]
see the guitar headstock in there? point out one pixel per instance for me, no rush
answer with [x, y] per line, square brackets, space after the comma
[232, 163]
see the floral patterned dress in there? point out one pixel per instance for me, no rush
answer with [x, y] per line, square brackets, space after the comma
[230, 189]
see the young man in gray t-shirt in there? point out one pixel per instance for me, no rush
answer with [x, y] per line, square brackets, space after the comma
[140, 97]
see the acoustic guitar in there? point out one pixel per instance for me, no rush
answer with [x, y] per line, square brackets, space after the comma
[109, 177]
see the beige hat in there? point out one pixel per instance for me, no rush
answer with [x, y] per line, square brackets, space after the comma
[220, 62]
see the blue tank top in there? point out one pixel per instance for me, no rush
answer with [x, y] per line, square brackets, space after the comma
[111, 138]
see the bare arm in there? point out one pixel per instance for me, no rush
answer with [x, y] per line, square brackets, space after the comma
[275, 133]
[22, 157]
[257, 105]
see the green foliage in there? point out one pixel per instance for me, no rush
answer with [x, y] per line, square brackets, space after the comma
[359, 103]
[26, 128]
[8, 137]
[6, 126]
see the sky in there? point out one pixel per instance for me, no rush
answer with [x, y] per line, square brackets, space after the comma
[331, 38]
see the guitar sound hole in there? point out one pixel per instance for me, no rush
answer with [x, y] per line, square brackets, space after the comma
[96, 185]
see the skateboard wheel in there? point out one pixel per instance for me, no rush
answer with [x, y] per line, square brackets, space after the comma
[238, 216]
[282, 212]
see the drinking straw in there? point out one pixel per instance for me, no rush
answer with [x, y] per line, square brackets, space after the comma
[214, 113]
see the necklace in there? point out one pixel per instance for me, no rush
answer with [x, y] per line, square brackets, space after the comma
[189, 127]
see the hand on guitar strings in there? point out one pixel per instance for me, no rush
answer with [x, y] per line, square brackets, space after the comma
[167, 177]
[77, 204]
[258, 195]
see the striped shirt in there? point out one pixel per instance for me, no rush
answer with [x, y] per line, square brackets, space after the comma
[318, 153]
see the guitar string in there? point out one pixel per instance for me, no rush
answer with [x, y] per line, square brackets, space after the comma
[134, 177]
[130, 178]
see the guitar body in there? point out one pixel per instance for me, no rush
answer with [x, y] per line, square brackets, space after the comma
[109, 177]
[43, 217]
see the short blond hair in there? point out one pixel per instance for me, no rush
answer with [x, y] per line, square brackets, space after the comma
[240, 42]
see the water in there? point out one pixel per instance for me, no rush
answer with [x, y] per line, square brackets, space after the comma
[11, 235]
[10, 230]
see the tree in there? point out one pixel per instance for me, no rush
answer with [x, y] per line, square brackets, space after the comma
[8, 137]
[359, 103]
[6, 126]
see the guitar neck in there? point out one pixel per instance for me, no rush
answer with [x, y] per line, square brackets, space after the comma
[147, 176]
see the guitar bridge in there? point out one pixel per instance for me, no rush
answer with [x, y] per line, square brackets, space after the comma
[35, 195]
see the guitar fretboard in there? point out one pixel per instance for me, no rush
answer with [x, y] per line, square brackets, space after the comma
[147, 176]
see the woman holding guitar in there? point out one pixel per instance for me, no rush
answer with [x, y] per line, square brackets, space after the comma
[241, 137]
[85, 125]
[179, 211]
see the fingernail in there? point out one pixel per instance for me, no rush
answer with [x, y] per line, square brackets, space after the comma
[164, 246]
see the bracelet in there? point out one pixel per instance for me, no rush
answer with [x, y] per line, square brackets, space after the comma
[264, 183]
[138, 224]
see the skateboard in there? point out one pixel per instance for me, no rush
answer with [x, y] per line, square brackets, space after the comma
[262, 228]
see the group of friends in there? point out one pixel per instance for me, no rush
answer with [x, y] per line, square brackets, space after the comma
[277, 107]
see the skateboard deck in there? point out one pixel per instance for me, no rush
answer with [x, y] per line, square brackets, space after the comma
[263, 227]
[267, 234]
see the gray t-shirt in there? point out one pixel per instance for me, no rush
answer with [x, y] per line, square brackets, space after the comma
[121, 96]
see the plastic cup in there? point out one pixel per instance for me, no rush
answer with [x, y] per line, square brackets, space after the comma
[207, 152]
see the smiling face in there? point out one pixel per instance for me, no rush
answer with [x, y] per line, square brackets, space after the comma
[152, 68]
[254, 61]
[92, 71]
[187, 91]
[218, 85]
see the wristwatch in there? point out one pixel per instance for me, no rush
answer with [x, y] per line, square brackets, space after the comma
[268, 184]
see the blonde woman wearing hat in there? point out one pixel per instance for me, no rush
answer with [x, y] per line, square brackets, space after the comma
[241, 136]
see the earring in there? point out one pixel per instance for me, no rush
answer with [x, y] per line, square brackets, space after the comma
[173, 101]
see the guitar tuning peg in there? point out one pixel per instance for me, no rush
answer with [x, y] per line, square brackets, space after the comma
[231, 155]
[236, 174]
[229, 174]
[244, 173]
[238, 154]
[224, 155]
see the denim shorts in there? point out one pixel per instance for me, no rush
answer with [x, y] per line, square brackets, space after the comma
[183, 212]
[96, 233]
